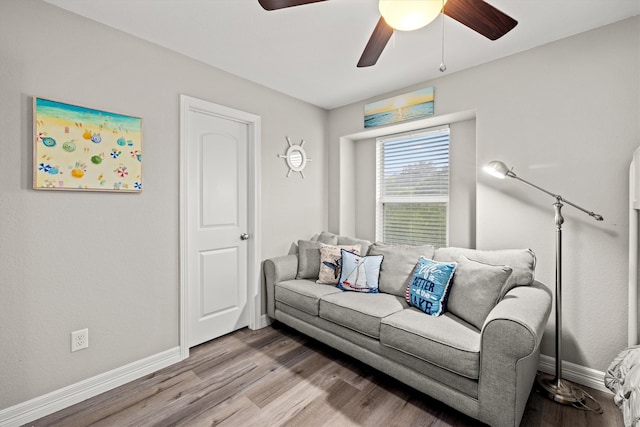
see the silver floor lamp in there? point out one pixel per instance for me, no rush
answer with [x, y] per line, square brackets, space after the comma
[555, 387]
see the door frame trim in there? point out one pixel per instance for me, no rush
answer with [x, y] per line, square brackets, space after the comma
[254, 294]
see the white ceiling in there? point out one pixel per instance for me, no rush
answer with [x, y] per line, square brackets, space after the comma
[310, 52]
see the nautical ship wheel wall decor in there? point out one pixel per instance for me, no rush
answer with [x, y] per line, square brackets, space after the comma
[296, 157]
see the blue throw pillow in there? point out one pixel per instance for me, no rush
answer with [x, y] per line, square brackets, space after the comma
[429, 286]
[359, 273]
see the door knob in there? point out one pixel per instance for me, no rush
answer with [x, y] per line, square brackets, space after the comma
[244, 236]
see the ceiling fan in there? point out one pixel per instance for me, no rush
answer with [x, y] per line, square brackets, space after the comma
[478, 15]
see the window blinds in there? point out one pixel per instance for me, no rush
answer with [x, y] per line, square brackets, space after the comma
[412, 187]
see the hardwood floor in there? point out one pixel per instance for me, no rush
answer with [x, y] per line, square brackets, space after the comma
[278, 377]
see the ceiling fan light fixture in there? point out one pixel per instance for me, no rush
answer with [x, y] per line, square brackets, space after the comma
[409, 15]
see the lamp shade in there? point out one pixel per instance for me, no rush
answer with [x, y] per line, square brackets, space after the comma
[497, 169]
[408, 15]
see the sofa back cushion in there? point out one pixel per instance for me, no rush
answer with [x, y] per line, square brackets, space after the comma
[308, 259]
[326, 237]
[398, 264]
[476, 290]
[364, 244]
[521, 261]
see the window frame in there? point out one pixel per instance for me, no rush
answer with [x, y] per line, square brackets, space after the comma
[380, 199]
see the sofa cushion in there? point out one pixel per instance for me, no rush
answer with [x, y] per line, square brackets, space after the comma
[326, 238]
[364, 244]
[429, 286]
[358, 311]
[398, 265]
[476, 290]
[303, 294]
[359, 273]
[521, 261]
[445, 341]
[331, 262]
[308, 259]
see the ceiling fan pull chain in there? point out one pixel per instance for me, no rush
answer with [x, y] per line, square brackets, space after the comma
[443, 67]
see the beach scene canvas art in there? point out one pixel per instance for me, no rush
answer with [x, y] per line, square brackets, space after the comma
[409, 106]
[80, 148]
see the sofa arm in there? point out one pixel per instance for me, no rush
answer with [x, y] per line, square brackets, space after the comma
[510, 352]
[276, 270]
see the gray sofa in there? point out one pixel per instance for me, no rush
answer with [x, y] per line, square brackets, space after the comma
[482, 364]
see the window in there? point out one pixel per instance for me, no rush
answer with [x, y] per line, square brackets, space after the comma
[412, 187]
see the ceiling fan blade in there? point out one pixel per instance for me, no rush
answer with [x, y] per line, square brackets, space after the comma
[376, 44]
[281, 4]
[481, 17]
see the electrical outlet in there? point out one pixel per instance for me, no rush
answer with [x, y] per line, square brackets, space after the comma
[79, 339]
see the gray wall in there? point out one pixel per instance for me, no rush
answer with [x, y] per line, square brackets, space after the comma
[565, 116]
[109, 262]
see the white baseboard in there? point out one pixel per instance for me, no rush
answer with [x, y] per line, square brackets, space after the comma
[263, 322]
[62, 398]
[575, 373]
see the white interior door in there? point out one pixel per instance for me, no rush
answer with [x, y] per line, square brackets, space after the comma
[216, 247]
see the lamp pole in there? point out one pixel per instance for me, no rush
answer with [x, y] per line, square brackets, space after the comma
[554, 387]
[559, 221]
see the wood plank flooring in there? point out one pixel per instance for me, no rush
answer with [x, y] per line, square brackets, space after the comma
[278, 377]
